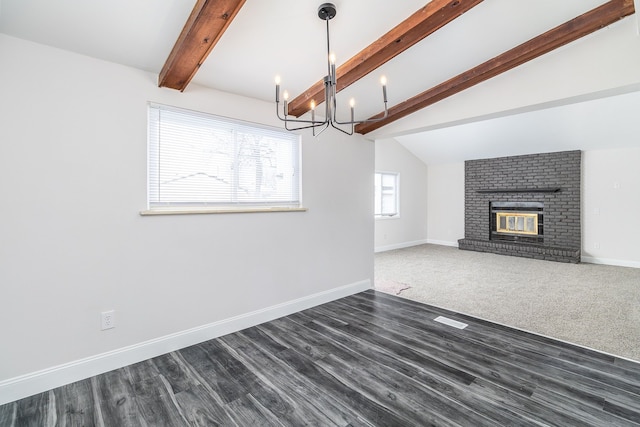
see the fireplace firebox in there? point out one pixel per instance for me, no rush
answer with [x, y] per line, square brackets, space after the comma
[521, 222]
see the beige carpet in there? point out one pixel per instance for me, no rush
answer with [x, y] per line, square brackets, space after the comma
[391, 286]
[596, 306]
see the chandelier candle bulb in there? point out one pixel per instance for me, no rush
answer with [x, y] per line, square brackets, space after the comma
[277, 89]
[313, 111]
[352, 103]
[285, 96]
[333, 77]
[383, 80]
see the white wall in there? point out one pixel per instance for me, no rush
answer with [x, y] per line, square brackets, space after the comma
[410, 228]
[445, 203]
[610, 206]
[72, 242]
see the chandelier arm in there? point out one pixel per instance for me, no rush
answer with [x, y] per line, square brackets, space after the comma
[332, 78]
[304, 127]
[358, 122]
[278, 112]
[334, 102]
[312, 123]
[326, 126]
[333, 125]
[327, 96]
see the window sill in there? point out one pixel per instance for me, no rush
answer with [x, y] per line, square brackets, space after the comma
[387, 217]
[216, 211]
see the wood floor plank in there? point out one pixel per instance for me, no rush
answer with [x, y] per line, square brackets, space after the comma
[214, 374]
[597, 377]
[373, 412]
[175, 371]
[335, 410]
[235, 370]
[117, 401]
[591, 394]
[582, 412]
[399, 350]
[370, 359]
[264, 340]
[201, 410]
[8, 414]
[532, 355]
[527, 407]
[470, 361]
[154, 396]
[75, 405]
[580, 380]
[287, 330]
[247, 411]
[551, 345]
[305, 399]
[34, 410]
[423, 373]
[200, 402]
[627, 364]
[474, 363]
[292, 335]
[623, 411]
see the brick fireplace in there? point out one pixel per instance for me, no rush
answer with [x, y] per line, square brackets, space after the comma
[525, 206]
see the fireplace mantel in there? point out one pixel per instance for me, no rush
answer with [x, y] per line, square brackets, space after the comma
[519, 190]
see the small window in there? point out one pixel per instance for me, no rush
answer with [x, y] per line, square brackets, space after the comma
[201, 161]
[386, 194]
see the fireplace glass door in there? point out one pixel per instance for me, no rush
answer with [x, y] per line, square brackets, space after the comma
[517, 223]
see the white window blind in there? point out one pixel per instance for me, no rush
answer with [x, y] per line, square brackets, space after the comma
[386, 194]
[197, 160]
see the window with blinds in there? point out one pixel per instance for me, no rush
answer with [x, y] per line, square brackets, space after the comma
[197, 160]
[386, 194]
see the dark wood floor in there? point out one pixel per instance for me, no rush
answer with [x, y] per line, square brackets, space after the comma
[369, 359]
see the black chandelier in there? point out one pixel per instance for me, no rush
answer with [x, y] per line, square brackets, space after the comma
[326, 12]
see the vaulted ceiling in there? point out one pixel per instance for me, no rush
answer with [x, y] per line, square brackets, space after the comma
[210, 19]
[428, 51]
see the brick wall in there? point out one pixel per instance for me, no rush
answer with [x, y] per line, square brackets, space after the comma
[562, 228]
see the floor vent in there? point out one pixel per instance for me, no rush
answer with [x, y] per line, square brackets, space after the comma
[451, 322]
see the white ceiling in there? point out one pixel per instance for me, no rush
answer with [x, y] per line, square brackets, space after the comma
[604, 123]
[286, 37]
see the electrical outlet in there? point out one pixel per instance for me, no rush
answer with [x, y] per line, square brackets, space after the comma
[596, 245]
[108, 319]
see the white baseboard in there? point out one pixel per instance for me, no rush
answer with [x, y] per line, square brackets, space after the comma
[607, 261]
[443, 243]
[399, 246]
[47, 379]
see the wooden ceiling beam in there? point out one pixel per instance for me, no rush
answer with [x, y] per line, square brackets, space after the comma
[431, 17]
[602, 16]
[209, 19]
